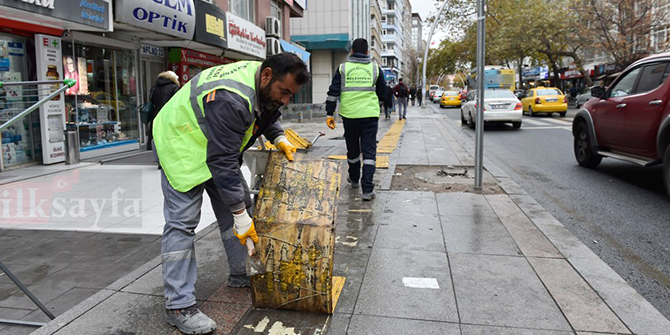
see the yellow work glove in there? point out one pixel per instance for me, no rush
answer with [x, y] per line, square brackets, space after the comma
[330, 121]
[284, 145]
[243, 227]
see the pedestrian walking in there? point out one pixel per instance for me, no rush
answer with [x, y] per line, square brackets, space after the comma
[412, 94]
[199, 137]
[401, 92]
[167, 84]
[419, 96]
[360, 86]
[388, 102]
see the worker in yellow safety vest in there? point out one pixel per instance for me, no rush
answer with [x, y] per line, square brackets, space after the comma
[199, 137]
[360, 87]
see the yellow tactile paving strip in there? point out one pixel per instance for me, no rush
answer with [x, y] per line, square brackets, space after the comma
[338, 284]
[293, 137]
[382, 162]
[390, 140]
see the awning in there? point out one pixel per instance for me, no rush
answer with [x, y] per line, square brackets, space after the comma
[288, 47]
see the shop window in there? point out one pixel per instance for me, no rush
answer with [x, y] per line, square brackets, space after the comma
[103, 103]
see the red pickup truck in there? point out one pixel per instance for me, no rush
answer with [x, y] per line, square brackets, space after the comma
[629, 120]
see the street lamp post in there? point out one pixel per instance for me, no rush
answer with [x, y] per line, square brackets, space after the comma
[425, 54]
[479, 137]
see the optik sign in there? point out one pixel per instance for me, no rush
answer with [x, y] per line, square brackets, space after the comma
[170, 17]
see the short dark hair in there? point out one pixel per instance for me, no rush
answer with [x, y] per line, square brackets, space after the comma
[400, 80]
[360, 45]
[285, 63]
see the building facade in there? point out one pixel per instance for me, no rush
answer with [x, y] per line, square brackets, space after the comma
[115, 52]
[375, 31]
[326, 31]
[392, 39]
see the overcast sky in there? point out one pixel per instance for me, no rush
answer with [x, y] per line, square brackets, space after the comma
[426, 9]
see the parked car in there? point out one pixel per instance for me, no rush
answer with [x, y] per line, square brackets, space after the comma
[437, 96]
[431, 91]
[629, 120]
[545, 100]
[500, 106]
[581, 99]
[450, 99]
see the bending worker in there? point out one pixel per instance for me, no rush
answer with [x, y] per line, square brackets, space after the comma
[360, 86]
[199, 137]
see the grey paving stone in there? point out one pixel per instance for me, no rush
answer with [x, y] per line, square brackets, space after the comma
[364, 324]
[338, 325]
[12, 314]
[74, 313]
[350, 264]
[510, 187]
[488, 330]
[484, 235]
[120, 314]
[282, 322]
[384, 294]
[17, 330]
[411, 202]
[7, 289]
[580, 304]
[503, 291]
[527, 236]
[410, 232]
[61, 304]
[464, 204]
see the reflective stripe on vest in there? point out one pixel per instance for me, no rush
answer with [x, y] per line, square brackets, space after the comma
[358, 98]
[180, 134]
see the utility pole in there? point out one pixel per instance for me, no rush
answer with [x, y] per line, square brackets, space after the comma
[425, 54]
[481, 59]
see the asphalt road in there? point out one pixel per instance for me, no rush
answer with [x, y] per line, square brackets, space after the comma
[619, 210]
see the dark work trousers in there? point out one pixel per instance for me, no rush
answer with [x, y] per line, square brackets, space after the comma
[361, 137]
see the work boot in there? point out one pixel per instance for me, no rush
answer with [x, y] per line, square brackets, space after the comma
[353, 185]
[368, 196]
[239, 281]
[190, 320]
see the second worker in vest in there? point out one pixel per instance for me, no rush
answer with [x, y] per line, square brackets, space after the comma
[199, 136]
[360, 86]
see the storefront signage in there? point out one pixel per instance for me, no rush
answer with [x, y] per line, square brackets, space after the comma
[210, 27]
[94, 13]
[150, 50]
[245, 37]
[170, 17]
[52, 114]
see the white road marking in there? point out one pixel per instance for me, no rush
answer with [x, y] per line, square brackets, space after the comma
[559, 121]
[534, 122]
[413, 282]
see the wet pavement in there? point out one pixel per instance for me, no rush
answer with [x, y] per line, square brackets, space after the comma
[415, 262]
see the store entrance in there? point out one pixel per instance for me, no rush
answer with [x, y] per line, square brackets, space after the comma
[151, 68]
[18, 145]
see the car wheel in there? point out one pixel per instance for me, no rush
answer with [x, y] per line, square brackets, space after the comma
[463, 120]
[516, 125]
[583, 150]
[666, 170]
[563, 114]
[471, 122]
[530, 111]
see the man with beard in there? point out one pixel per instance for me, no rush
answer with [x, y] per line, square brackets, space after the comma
[199, 137]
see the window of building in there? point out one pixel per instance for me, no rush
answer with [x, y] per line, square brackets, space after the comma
[243, 9]
[277, 11]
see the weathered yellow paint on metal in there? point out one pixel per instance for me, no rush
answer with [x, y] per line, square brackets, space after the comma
[338, 285]
[390, 140]
[293, 137]
[295, 217]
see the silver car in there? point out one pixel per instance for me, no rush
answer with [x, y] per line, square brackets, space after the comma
[583, 98]
[500, 106]
[437, 96]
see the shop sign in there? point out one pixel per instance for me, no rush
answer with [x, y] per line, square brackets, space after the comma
[605, 69]
[245, 37]
[94, 13]
[210, 27]
[52, 113]
[150, 50]
[170, 17]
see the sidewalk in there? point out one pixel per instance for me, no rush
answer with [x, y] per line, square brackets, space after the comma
[428, 256]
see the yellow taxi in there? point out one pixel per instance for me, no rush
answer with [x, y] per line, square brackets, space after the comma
[544, 100]
[450, 99]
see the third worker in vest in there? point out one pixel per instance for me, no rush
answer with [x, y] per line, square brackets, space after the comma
[199, 137]
[360, 86]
